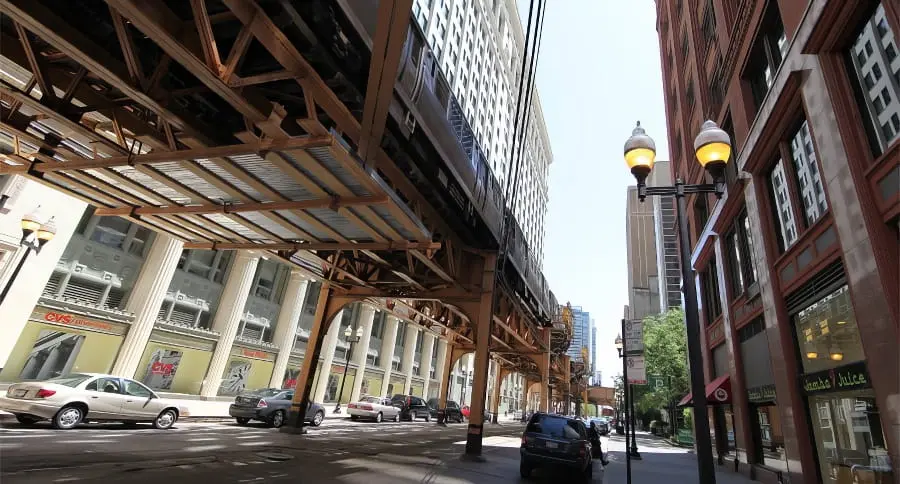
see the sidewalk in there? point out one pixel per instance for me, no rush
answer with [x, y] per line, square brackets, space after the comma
[661, 462]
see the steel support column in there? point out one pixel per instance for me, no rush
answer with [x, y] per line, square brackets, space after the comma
[495, 403]
[482, 319]
[327, 306]
[446, 380]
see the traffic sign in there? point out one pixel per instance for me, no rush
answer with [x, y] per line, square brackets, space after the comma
[634, 337]
[658, 382]
[637, 370]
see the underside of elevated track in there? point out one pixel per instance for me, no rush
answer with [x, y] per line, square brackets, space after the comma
[261, 125]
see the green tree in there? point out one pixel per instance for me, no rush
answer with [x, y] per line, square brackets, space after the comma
[665, 354]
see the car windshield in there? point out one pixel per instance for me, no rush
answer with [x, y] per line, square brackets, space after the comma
[71, 380]
[264, 392]
[370, 400]
[556, 427]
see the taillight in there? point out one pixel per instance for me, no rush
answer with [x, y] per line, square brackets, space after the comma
[408, 401]
[262, 404]
[583, 450]
[524, 441]
[44, 393]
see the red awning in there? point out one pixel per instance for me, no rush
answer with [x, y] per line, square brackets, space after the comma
[718, 392]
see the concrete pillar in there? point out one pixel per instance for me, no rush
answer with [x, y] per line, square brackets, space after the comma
[228, 317]
[286, 327]
[409, 352]
[495, 405]
[366, 318]
[146, 299]
[443, 372]
[386, 354]
[425, 364]
[327, 352]
[482, 316]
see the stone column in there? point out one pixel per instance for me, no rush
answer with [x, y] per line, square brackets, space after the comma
[386, 354]
[146, 299]
[328, 348]
[228, 317]
[443, 374]
[360, 357]
[286, 327]
[409, 352]
[425, 364]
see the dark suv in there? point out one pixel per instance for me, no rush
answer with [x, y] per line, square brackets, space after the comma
[556, 441]
[453, 412]
[411, 407]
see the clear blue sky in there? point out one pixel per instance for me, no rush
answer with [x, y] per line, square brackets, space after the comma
[599, 71]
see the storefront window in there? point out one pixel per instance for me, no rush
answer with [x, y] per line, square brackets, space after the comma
[243, 374]
[849, 440]
[173, 369]
[771, 437]
[827, 333]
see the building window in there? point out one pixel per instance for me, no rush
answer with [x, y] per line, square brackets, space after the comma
[739, 246]
[767, 53]
[797, 188]
[875, 70]
[827, 333]
[709, 291]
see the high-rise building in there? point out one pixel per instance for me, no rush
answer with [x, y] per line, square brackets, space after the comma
[593, 353]
[581, 329]
[797, 263]
[640, 233]
[479, 46]
[668, 265]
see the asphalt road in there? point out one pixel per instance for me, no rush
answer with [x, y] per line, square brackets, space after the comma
[338, 451]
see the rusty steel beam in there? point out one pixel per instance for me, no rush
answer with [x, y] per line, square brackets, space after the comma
[59, 33]
[387, 47]
[153, 19]
[207, 39]
[189, 154]
[332, 203]
[385, 246]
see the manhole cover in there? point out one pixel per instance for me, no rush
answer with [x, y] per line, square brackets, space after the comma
[275, 456]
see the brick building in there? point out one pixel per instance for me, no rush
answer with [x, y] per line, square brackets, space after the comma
[797, 265]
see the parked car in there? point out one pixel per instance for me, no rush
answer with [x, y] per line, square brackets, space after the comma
[556, 441]
[452, 413]
[271, 405]
[602, 425]
[375, 408]
[411, 407]
[68, 400]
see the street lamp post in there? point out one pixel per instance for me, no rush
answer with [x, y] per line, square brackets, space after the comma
[628, 390]
[350, 338]
[34, 236]
[620, 347]
[712, 148]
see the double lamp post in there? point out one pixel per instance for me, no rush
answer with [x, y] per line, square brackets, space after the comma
[34, 236]
[712, 148]
[351, 339]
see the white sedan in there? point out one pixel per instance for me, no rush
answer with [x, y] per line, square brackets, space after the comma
[375, 408]
[68, 400]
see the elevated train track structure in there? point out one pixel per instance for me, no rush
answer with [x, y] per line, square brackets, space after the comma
[316, 131]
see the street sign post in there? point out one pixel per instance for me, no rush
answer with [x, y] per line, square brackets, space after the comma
[637, 370]
[634, 337]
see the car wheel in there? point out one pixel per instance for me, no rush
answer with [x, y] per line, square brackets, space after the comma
[242, 420]
[397, 417]
[165, 420]
[318, 418]
[277, 419]
[428, 417]
[524, 470]
[67, 417]
[26, 419]
[354, 417]
[379, 418]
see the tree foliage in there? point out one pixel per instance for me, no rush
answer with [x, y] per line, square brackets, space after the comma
[665, 354]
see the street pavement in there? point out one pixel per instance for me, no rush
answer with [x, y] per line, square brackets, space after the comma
[661, 462]
[339, 451]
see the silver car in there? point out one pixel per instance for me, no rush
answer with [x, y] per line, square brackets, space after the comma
[375, 408]
[68, 400]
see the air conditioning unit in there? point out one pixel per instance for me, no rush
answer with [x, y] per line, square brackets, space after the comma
[410, 122]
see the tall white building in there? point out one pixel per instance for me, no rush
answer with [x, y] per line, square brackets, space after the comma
[479, 45]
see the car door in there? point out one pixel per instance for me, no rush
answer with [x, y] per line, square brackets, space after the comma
[282, 401]
[388, 411]
[105, 398]
[140, 402]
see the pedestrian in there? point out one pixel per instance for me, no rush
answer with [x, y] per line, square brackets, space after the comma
[597, 448]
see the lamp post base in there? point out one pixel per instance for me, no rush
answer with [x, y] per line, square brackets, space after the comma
[634, 454]
[337, 409]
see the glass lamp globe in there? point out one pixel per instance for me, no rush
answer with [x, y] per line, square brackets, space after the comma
[640, 153]
[712, 147]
